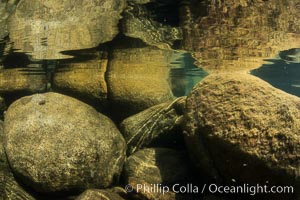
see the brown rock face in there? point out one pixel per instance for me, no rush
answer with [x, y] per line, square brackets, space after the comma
[239, 127]
[56, 143]
[239, 34]
[49, 26]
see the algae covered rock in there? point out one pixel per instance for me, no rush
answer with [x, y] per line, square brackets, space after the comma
[153, 125]
[240, 127]
[154, 168]
[56, 143]
[46, 27]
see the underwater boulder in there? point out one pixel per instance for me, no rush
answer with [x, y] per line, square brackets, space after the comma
[154, 168]
[2, 104]
[85, 80]
[154, 125]
[240, 128]
[137, 78]
[55, 143]
[9, 187]
[44, 28]
[96, 194]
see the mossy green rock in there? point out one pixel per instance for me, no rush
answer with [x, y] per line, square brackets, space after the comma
[56, 143]
[240, 127]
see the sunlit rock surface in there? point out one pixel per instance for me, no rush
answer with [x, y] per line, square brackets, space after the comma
[84, 79]
[55, 143]
[27, 80]
[43, 28]
[241, 128]
[139, 22]
[238, 34]
[137, 79]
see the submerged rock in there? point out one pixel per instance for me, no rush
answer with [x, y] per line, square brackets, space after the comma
[56, 143]
[46, 27]
[154, 168]
[22, 80]
[96, 194]
[2, 104]
[137, 79]
[240, 128]
[154, 124]
[9, 187]
[85, 80]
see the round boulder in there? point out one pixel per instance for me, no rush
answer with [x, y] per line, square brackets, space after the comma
[240, 128]
[56, 143]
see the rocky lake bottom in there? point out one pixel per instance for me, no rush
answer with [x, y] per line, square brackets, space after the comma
[149, 100]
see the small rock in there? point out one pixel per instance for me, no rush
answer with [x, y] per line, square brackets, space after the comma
[62, 144]
[147, 172]
[96, 194]
[154, 125]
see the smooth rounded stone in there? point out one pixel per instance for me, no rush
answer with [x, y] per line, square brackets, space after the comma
[153, 125]
[9, 187]
[55, 143]
[44, 28]
[138, 23]
[223, 35]
[83, 79]
[22, 80]
[148, 169]
[96, 194]
[240, 128]
[137, 79]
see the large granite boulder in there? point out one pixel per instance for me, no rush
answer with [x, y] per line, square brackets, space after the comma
[46, 27]
[55, 143]
[155, 126]
[153, 173]
[240, 128]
